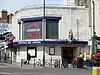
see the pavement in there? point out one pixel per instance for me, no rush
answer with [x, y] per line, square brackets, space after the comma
[12, 69]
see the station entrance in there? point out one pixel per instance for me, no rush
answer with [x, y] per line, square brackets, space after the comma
[68, 53]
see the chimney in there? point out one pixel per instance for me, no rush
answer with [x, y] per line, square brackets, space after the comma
[4, 14]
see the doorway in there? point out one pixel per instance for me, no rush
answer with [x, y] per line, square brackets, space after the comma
[68, 54]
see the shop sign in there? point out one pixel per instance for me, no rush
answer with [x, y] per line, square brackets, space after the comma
[29, 42]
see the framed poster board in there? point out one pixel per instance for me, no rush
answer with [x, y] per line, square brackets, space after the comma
[51, 50]
[32, 51]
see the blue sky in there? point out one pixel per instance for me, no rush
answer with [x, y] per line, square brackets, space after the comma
[13, 5]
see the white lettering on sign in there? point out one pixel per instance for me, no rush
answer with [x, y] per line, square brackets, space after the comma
[29, 42]
[33, 30]
[36, 42]
[23, 42]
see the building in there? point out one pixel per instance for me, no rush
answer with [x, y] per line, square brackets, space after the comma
[5, 26]
[53, 38]
[5, 17]
[93, 24]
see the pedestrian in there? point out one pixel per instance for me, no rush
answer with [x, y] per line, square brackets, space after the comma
[28, 58]
[75, 62]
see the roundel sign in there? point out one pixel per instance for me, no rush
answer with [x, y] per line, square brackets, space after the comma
[33, 30]
[10, 37]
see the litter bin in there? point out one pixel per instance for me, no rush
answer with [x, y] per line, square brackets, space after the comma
[96, 71]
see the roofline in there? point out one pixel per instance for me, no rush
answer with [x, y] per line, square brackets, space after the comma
[50, 6]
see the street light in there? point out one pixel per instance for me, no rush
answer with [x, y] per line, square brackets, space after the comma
[94, 33]
[43, 33]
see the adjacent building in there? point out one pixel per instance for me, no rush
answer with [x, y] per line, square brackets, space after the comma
[5, 26]
[93, 21]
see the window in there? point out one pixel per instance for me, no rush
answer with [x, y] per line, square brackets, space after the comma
[51, 50]
[32, 32]
[52, 29]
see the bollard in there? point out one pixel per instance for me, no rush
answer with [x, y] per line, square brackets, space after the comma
[96, 71]
[21, 62]
[34, 63]
[51, 61]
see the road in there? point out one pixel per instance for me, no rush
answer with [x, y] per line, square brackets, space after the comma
[8, 70]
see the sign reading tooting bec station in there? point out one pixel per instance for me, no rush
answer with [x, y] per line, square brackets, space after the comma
[33, 30]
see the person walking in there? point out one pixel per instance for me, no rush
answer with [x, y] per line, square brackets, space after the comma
[75, 63]
[28, 58]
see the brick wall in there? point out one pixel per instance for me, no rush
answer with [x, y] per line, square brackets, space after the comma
[5, 18]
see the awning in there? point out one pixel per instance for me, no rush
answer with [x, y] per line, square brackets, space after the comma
[31, 19]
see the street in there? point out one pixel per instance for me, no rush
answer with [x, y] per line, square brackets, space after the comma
[8, 70]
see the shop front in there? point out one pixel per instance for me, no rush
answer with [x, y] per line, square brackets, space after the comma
[53, 50]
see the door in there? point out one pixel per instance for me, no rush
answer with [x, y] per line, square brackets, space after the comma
[67, 54]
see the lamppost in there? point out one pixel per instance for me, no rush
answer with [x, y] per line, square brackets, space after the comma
[43, 31]
[94, 33]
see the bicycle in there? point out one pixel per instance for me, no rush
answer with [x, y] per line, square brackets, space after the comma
[39, 64]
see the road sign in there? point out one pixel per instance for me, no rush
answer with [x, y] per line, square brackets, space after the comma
[10, 37]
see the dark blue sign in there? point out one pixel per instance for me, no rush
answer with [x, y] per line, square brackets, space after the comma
[42, 42]
[50, 42]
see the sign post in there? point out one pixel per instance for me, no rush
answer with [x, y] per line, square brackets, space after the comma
[9, 38]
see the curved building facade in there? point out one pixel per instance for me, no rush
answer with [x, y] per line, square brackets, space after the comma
[52, 37]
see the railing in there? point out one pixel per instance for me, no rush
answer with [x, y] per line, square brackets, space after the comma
[49, 63]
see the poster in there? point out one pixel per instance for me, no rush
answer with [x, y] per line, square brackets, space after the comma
[52, 51]
[31, 52]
